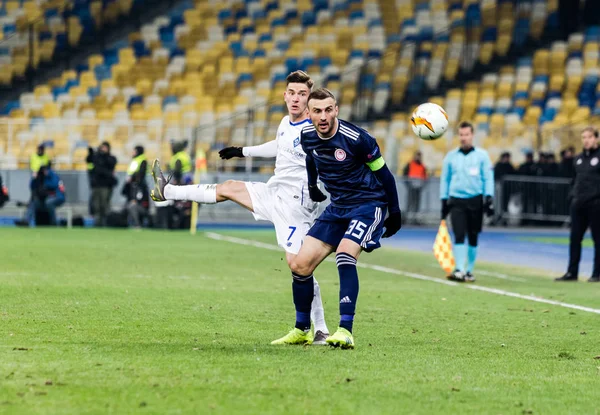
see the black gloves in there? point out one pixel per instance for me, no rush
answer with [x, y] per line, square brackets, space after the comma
[316, 195]
[445, 208]
[488, 206]
[392, 224]
[231, 152]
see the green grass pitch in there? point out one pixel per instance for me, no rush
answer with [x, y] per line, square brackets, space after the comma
[96, 322]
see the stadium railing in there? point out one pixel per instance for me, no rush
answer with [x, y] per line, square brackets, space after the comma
[519, 199]
[533, 199]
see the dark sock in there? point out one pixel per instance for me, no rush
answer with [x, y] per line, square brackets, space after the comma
[346, 265]
[303, 291]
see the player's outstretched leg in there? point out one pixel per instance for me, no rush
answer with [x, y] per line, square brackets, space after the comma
[201, 193]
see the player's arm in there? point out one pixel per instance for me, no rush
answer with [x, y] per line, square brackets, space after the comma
[394, 221]
[488, 184]
[445, 185]
[374, 160]
[313, 175]
[267, 150]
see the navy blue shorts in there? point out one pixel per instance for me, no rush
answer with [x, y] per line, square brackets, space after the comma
[362, 224]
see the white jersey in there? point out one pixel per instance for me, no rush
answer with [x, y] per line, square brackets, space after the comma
[290, 163]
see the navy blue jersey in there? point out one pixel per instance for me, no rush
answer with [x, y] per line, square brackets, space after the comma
[341, 162]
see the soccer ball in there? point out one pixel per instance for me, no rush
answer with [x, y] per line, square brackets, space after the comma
[429, 121]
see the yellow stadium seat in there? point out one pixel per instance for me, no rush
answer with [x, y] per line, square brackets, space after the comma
[95, 60]
[88, 79]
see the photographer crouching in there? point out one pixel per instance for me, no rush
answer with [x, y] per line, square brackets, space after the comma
[47, 193]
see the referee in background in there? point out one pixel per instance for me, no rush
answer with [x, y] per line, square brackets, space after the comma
[585, 207]
[466, 190]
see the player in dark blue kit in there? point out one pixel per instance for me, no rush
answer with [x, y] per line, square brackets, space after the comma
[347, 160]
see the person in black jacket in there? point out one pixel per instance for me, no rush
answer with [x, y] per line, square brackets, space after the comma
[102, 180]
[585, 207]
[567, 166]
[503, 168]
[3, 193]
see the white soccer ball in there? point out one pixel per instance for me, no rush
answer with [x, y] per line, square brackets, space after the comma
[429, 121]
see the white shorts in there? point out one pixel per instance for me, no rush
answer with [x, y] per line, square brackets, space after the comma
[292, 215]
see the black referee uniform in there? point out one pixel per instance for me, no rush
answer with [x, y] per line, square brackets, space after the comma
[585, 212]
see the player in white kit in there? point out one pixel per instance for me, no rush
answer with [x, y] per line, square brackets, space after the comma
[283, 200]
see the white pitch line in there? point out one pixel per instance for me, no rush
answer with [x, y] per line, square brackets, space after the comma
[387, 270]
[490, 274]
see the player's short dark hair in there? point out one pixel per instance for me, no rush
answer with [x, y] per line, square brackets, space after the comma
[299, 77]
[321, 93]
[466, 124]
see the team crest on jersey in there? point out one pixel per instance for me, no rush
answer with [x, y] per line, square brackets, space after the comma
[340, 155]
[579, 161]
[594, 161]
[296, 141]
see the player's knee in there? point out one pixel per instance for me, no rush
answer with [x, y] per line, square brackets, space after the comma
[473, 239]
[227, 189]
[459, 239]
[300, 267]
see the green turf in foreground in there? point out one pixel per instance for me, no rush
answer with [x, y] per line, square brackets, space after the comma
[152, 322]
[557, 240]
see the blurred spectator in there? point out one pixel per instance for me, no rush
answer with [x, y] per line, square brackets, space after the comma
[90, 168]
[551, 168]
[138, 203]
[135, 189]
[39, 159]
[528, 167]
[3, 193]
[103, 180]
[502, 169]
[567, 165]
[181, 162]
[47, 193]
[527, 190]
[416, 174]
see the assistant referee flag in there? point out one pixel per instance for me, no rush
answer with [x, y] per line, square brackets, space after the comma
[442, 248]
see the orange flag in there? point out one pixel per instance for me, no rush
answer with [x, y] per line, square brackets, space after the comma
[442, 248]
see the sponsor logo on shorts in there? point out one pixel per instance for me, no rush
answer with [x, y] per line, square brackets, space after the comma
[340, 155]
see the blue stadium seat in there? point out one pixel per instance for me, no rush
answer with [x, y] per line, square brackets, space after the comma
[244, 77]
[320, 5]
[136, 99]
[290, 14]
[94, 91]
[309, 18]
[169, 99]
[265, 37]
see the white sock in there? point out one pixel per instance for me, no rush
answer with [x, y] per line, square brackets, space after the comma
[317, 313]
[201, 193]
